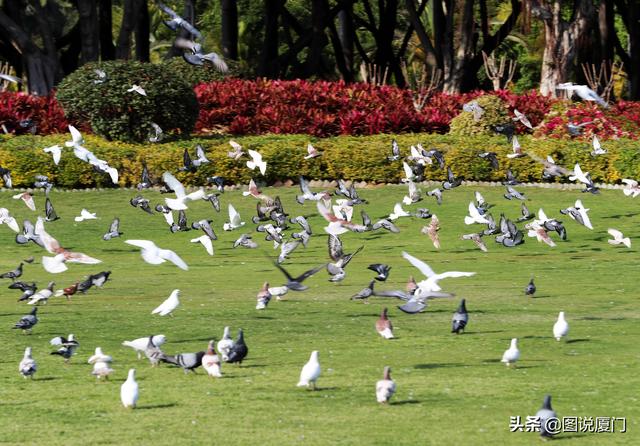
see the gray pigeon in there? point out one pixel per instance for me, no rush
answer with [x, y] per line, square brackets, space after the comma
[381, 269]
[239, 350]
[530, 289]
[188, 361]
[437, 193]
[546, 413]
[295, 283]
[26, 323]
[114, 230]
[153, 352]
[365, 293]
[460, 318]
[14, 274]
[512, 193]
[28, 234]
[245, 241]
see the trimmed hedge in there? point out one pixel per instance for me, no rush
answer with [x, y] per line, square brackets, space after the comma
[347, 157]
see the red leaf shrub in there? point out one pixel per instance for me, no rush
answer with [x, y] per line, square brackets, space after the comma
[44, 112]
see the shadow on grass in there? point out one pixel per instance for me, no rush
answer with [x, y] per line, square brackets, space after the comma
[483, 332]
[46, 378]
[181, 341]
[156, 406]
[438, 365]
[402, 403]
[571, 341]
[568, 436]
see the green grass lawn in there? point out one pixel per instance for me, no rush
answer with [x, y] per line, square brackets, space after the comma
[450, 389]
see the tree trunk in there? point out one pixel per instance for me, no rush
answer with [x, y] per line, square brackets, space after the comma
[345, 35]
[89, 31]
[560, 41]
[189, 14]
[465, 49]
[629, 52]
[129, 20]
[313, 63]
[268, 60]
[229, 25]
[107, 49]
[142, 32]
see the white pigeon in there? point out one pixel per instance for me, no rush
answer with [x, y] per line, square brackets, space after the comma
[343, 209]
[27, 366]
[129, 390]
[256, 161]
[578, 175]
[474, 216]
[170, 304]
[85, 215]
[211, 362]
[583, 214]
[431, 283]
[234, 220]
[413, 194]
[516, 148]
[408, 173]
[418, 157]
[76, 138]
[237, 151]
[154, 255]
[597, 148]
[225, 344]
[561, 327]
[512, 354]
[206, 242]
[56, 151]
[631, 188]
[138, 89]
[179, 203]
[27, 198]
[278, 291]
[310, 372]
[140, 344]
[618, 238]
[398, 212]
[43, 295]
[585, 93]
[522, 118]
[312, 152]
[57, 264]
[101, 363]
[386, 387]
[6, 218]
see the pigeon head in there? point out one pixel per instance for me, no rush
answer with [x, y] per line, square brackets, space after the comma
[383, 315]
[463, 307]
[387, 373]
[212, 349]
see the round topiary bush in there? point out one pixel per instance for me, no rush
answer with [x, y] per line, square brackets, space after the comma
[203, 74]
[112, 111]
[495, 112]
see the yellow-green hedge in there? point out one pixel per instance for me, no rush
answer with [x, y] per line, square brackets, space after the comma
[348, 157]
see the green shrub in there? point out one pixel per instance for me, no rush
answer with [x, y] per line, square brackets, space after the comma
[206, 73]
[495, 112]
[348, 157]
[116, 114]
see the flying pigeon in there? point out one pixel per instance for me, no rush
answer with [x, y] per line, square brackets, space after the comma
[437, 193]
[6, 218]
[140, 202]
[395, 151]
[68, 346]
[522, 118]
[432, 231]
[180, 202]
[237, 151]
[129, 391]
[474, 216]
[597, 148]
[27, 366]
[307, 194]
[451, 180]
[56, 264]
[561, 327]
[140, 344]
[205, 240]
[55, 151]
[239, 350]
[114, 230]
[340, 259]
[512, 354]
[295, 283]
[138, 89]
[460, 318]
[381, 269]
[492, 157]
[585, 93]
[384, 326]
[338, 225]
[6, 177]
[256, 161]
[197, 56]
[245, 241]
[631, 188]
[155, 133]
[310, 372]
[618, 238]
[576, 129]
[211, 361]
[386, 387]
[515, 148]
[512, 193]
[85, 215]
[234, 220]
[507, 129]
[170, 304]
[155, 255]
[42, 181]
[398, 212]
[474, 108]
[27, 198]
[431, 282]
[312, 152]
[578, 213]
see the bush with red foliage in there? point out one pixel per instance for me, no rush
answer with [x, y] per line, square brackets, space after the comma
[23, 113]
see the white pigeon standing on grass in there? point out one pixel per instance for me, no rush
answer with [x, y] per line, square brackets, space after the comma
[101, 363]
[170, 304]
[140, 344]
[85, 215]
[211, 361]
[474, 216]
[512, 354]
[28, 366]
[618, 238]
[256, 161]
[561, 327]
[310, 372]
[234, 220]
[129, 391]
[225, 344]
[386, 387]
[152, 254]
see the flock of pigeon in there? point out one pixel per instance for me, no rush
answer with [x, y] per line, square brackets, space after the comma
[273, 222]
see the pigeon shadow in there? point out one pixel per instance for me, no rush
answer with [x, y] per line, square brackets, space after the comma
[265, 317]
[534, 337]
[402, 403]
[46, 378]
[182, 341]
[251, 366]
[483, 332]
[492, 361]
[437, 365]
[571, 341]
[630, 214]
[324, 389]
[156, 406]
[568, 437]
